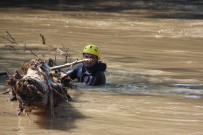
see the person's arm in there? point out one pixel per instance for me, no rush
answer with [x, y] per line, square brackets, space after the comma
[72, 74]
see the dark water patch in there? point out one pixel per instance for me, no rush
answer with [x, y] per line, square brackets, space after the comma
[192, 86]
[3, 85]
[179, 9]
[182, 15]
[64, 119]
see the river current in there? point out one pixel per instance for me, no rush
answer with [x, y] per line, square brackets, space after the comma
[154, 74]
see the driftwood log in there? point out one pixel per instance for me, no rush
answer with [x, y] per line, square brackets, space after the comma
[36, 88]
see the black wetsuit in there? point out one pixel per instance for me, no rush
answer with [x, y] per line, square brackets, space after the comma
[91, 76]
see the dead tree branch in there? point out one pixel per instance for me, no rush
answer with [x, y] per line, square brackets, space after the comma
[43, 39]
[9, 38]
[69, 64]
[27, 49]
[37, 89]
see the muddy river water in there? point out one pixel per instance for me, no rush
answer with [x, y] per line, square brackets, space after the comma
[154, 76]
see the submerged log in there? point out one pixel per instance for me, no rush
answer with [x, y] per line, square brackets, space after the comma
[36, 88]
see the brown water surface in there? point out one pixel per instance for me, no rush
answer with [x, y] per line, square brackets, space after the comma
[154, 77]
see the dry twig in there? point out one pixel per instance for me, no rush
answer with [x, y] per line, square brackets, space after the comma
[43, 39]
[27, 49]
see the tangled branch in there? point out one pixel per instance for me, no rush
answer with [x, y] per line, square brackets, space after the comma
[13, 43]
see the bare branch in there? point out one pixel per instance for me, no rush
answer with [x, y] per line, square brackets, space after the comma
[27, 49]
[7, 71]
[10, 36]
[10, 46]
[43, 39]
[69, 64]
[13, 42]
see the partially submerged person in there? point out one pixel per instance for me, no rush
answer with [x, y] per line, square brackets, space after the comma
[92, 72]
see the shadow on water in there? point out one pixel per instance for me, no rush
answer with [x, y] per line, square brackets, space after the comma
[64, 119]
[179, 9]
[65, 114]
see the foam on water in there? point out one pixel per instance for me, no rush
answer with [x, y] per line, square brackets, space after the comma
[145, 89]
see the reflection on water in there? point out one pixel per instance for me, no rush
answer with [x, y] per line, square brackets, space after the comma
[104, 113]
[154, 58]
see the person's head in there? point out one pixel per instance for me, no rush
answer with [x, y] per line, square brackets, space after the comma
[92, 52]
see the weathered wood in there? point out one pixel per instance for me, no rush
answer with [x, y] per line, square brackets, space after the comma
[36, 89]
[70, 64]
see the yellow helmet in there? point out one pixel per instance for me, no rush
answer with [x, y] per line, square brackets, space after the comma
[92, 49]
